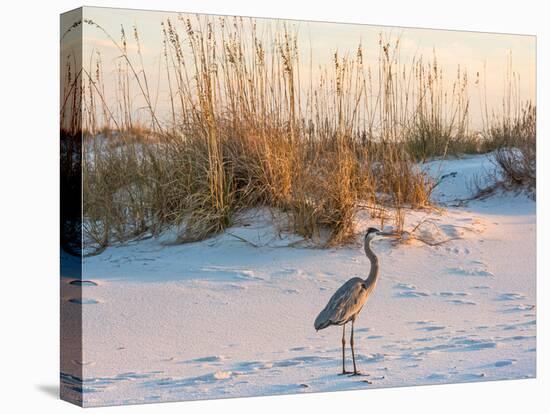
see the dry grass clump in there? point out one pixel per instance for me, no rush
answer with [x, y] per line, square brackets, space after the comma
[511, 133]
[516, 156]
[244, 131]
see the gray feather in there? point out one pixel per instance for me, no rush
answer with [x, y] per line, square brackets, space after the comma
[344, 305]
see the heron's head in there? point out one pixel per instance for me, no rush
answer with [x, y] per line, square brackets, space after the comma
[373, 232]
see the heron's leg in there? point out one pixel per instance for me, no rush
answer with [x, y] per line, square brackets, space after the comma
[355, 372]
[344, 350]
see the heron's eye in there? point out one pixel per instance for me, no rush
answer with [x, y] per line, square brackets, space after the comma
[363, 285]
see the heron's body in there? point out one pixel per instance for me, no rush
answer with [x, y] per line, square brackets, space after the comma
[345, 304]
[349, 299]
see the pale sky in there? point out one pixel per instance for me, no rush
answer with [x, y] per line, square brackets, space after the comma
[469, 49]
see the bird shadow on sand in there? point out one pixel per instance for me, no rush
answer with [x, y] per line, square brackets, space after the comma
[51, 390]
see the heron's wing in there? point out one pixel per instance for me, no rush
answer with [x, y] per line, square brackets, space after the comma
[346, 302]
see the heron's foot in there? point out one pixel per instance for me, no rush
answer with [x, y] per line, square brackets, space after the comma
[357, 373]
[344, 372]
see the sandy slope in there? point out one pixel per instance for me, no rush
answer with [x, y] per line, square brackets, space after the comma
[223, 318]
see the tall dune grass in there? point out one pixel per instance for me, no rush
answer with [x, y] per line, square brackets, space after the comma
[245, 130]
[511, 133]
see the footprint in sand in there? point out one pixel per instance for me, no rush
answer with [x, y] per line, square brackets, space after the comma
[504, 362]
[453, 250]
[431, 328]
[363, 330]
[451, 231]
[461, 302]
[411, 294]
[451, 294]
[206, 359]
[510, 296]
[481, 287]
[299, 361]
[426, 339]
[424, 322]
[299, 348]
[406, 290]
[291, 272]
[461, 271]
[517, 338]
[83, 301]
[404, 286]
[82, 283]
[470, 344]
[521, 326]
[370, 358]
[437, 377]
[518, 308]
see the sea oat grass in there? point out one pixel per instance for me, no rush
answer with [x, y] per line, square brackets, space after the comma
[245, 130]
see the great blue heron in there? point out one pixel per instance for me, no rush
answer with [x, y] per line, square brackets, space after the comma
[347, 302]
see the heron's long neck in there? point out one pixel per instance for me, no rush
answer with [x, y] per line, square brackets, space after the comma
[373, 274]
